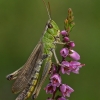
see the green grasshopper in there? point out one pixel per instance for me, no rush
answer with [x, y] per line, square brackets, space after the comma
[27, 78]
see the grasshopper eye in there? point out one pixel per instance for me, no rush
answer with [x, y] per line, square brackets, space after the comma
[50, 25]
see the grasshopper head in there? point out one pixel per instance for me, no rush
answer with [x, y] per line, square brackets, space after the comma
[53, 28]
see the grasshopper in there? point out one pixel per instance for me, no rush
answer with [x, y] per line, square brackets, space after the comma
[28, 80]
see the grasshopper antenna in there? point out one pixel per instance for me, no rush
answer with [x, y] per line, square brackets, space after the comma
[48, 9]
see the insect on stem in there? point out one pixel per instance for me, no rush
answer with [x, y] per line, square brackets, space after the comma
[30, 78]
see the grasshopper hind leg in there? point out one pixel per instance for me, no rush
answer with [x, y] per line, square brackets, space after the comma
[42, 79]
[33, 81]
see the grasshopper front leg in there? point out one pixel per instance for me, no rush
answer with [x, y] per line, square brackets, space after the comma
[54, 53]
[58, 41]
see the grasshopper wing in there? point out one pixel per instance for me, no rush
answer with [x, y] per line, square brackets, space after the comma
[24, 75]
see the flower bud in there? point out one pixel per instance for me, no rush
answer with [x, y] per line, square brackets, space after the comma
[75, 66]
[64, 52]
[65, 69]
[71, 44]
[66, 90]
[61, 98]
[55, 80]
[63, 33]
[66, 39]
[74, 55]
[50, 89]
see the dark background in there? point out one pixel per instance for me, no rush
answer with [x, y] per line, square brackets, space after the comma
[21, 25]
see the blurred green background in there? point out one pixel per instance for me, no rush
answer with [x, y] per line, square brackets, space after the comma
[21, 25]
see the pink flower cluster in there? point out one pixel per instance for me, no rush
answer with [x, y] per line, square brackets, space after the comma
[65, 67]
[73, 65]
[55, 83]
